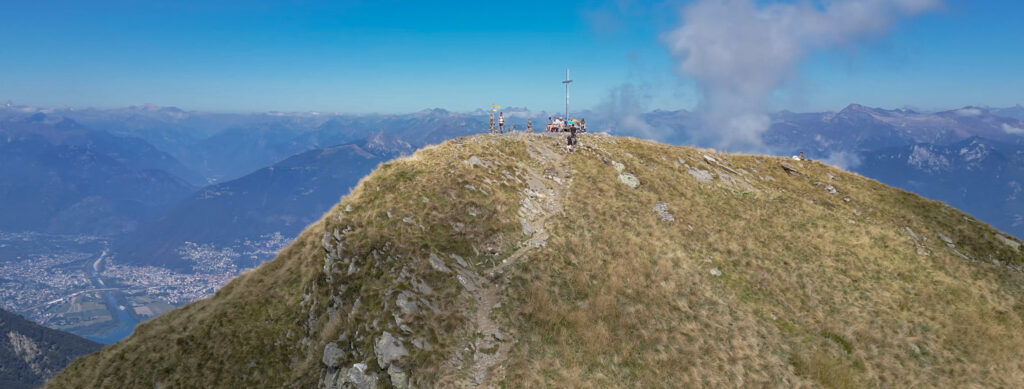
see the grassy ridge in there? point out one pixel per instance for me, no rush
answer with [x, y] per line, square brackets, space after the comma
[760, 278]
[813, 289]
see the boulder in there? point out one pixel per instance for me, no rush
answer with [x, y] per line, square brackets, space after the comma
[790, 170]
[399, 378]
[1009, 242]
[619, 167]
[388, 349]
[527, 228]
[949, 242]
[405, 303]
[331, 354]
[438, 264]
[358, 378]
[630, 180]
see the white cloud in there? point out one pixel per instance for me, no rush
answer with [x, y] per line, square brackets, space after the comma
[843, 160]
[1013, 130]
[739, 52]
[968, 112]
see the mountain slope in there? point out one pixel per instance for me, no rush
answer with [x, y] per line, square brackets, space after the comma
[976, 175]
[31, 353]
[58, 176]
[282, 198]
[501, 261]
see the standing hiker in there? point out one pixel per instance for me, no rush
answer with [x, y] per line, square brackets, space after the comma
[571, 140]
[501, 122]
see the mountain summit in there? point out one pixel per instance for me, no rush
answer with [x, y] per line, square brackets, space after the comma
[503, 261]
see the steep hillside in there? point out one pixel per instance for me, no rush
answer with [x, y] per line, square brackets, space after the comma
[60, 177]
[976, 175]
[282, 198]
[31, 353]
[501, 261]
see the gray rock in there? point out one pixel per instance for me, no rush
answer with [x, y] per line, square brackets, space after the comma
[921, 250]
[715, 272]
[831, 189]
[333, 380]
[399, 378]
[459, 260]
[438, 264]
[662, 210]
[358, 378]
[619, 167]
[422, 287]
[405, 303]
[790, 170]
[474, 161]
[466, 283]
[630, 180]
[949, 242]
[527, 229]
[388, 349]
[331, 354]
[420, 344]
[703, 176]
[1009, 242]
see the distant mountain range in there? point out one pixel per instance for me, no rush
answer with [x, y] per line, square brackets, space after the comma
[59, 176]
[158, 177]
[30, 353]
[223, 147]
[970, 158]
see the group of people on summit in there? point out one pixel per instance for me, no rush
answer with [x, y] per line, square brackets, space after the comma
[555, 124]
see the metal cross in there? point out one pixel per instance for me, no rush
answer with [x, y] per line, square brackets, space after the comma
[567, 82]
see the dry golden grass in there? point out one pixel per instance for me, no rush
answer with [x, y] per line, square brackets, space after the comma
[813, 292]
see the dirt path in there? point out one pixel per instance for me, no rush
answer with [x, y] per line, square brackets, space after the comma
[548, 179]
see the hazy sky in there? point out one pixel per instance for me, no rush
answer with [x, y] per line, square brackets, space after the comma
[391, 56]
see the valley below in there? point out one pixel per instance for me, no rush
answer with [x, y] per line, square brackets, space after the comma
[73, 283]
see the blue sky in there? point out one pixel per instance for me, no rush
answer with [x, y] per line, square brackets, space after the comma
[390, 56]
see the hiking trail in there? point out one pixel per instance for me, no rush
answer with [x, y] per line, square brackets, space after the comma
[547, 181]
